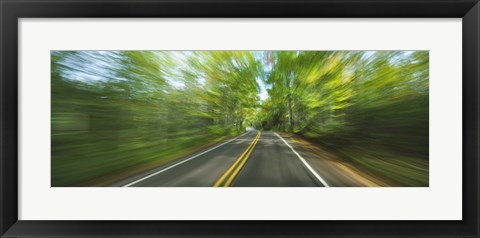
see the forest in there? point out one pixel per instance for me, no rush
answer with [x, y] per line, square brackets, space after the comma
[115, 114]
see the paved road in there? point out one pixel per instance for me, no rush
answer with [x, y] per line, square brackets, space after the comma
[255, 159]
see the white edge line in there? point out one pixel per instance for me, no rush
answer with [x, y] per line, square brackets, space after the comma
[305, 163]
[181, 162]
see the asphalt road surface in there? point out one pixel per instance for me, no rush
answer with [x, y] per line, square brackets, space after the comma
[254, 159]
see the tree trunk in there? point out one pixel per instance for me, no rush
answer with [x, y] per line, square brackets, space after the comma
[290, 116]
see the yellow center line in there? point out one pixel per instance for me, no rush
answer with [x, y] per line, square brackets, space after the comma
[244, 160]
[220, 180]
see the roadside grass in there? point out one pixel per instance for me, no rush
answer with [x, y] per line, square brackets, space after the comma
[407, 171]
[96, 165]
[389, 166]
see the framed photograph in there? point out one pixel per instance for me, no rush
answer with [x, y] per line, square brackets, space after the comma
[215, 118]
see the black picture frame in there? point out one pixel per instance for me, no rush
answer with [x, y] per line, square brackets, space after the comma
[11, 11]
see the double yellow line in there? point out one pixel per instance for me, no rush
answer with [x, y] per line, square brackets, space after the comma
[240, 162]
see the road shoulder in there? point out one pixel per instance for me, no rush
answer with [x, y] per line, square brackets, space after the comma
[337, 171]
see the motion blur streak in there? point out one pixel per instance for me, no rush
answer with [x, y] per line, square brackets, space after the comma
[358, 118]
